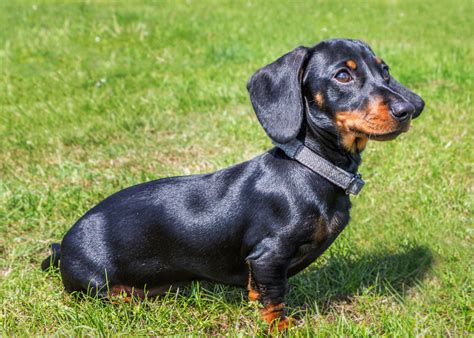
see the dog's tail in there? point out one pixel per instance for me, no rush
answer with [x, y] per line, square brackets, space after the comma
[53, 260]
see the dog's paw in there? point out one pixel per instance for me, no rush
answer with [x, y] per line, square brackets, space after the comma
[274, 316]
[282, 324]
[253, 295]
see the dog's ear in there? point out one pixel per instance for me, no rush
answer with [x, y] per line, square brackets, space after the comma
[276, 95]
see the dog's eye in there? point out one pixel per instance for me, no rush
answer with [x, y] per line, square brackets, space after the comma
[385, 73]
[343, 76]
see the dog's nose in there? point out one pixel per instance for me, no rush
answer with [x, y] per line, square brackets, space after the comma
[402, 110]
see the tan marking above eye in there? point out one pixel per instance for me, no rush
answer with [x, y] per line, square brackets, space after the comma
[378, 60]
[351, 64]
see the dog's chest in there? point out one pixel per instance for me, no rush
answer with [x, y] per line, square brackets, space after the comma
[328, 227]
[323, 233]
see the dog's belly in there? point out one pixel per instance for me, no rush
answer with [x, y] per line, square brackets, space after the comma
[139, 274]
[175, 257]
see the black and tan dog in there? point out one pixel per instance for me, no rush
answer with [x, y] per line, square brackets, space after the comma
[259, 222]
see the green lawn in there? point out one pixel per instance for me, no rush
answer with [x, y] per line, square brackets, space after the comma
[97, 97]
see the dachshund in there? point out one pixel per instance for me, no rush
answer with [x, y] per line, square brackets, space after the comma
[257, 223]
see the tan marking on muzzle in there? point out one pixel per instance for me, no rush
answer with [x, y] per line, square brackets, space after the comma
[357, 126]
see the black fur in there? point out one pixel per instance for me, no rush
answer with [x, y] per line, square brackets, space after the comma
[270, 214]
[275, 92]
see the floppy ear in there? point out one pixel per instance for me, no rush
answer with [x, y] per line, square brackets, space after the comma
[275, 92]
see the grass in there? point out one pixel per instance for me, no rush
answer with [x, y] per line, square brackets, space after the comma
[96, 97]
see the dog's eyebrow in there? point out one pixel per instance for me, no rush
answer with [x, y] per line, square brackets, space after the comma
[378, 60]
[351, 64]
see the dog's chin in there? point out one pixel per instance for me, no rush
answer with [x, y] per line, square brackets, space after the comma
[385, 136]
[388, 136]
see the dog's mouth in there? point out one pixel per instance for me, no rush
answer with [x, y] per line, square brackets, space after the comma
[384, 137]
[388, 136]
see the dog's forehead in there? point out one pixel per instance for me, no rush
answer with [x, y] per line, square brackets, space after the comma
[334, 51]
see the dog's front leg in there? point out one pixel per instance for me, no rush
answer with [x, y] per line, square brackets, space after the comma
[268, 280]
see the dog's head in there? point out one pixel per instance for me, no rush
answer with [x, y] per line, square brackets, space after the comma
[339, 85]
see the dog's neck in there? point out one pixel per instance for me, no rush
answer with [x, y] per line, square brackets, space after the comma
[324, 141]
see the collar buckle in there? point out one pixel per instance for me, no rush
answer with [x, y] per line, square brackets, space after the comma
[355, 185]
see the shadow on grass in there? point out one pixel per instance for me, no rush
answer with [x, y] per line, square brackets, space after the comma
[332, 282]
[343, 276]
[339, 277]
